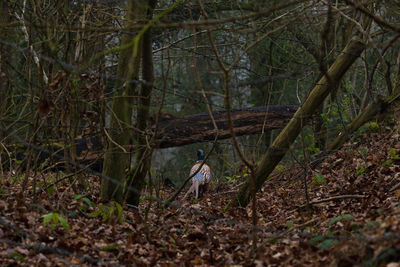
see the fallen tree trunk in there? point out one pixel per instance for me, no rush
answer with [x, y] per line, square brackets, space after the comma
[283, 141]
[179, 131]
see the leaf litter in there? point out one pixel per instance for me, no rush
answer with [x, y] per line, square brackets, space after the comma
[341, 232]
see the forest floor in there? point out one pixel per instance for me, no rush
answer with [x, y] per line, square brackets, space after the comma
[360, 227]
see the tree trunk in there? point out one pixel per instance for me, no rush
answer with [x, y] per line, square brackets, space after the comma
[292, 130]
[116, 159]
[179, 131]
[144, 151]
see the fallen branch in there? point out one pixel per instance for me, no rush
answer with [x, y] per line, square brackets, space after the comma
[397, 186]
[334, 198]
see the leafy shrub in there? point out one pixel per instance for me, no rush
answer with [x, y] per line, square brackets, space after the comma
[111, 213]
[318, 179]
[53, 219]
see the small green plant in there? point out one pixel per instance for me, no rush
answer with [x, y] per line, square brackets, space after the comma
[233, 178]
[314, 150]
[318, 179]
[393, 152]
[229, 178]
[15, 178]
[324, 242]
[273, 240]
[49, 188]
[83, 202]
[309, 139]
[364, 150]
[387, 163]
[17, 256]
[372, 224]
[359, 171]
[44, 164]
[345, 217]
[53, 219]
[19, 162]
[379, 211]
[371, 127]
[327, 241]
[110, 248]
[326, 118]
[280, 168]
[228, 205]
[110, 213]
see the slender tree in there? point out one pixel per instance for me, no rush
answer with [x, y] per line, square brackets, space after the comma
[144, 150]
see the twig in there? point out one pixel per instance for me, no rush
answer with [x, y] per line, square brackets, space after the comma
[374, 47]
[115, 143]
[292, 228]
[305, 224]
[236, 186]
[334, 198]
[227, 192]
[26, 35]
[397, 186]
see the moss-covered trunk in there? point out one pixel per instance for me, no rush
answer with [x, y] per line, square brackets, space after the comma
[281, 144]
[116, 158]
